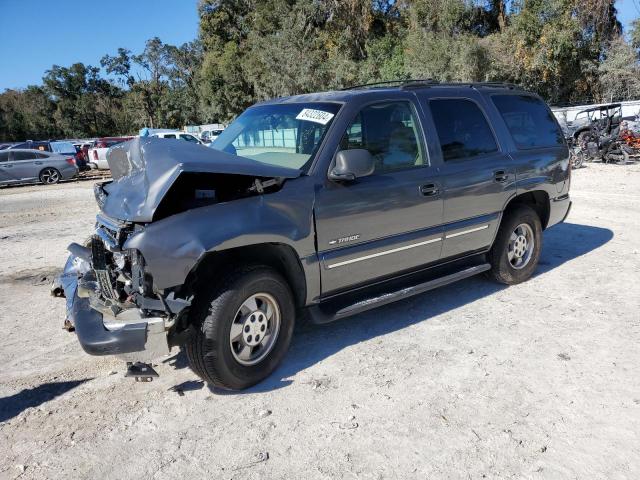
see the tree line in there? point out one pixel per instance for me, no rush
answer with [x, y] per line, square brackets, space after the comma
[568, 51]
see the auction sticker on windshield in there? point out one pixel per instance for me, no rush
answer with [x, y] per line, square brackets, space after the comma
[317, 116]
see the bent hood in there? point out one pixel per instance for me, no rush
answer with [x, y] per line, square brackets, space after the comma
[144, 169]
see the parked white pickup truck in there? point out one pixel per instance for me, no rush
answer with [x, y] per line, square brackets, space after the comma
[177, 135]
[97, 158]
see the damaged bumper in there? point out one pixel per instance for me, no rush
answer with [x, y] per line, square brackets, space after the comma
[130, 333]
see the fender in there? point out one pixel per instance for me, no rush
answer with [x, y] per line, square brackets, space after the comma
[172, 246]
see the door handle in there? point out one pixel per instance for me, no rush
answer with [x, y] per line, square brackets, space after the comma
[38, 163]
[500, 176]
[7, 166]
[429, 189]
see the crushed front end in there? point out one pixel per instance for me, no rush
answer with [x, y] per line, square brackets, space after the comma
[111, 300]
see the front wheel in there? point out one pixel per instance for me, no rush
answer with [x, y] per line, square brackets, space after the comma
[516, 250]
[243, 327]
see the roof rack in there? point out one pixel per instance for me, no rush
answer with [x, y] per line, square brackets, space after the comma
[400, 83]
[464, 84]
[429, 82]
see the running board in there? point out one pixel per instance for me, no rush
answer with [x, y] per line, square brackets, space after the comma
[319, 315]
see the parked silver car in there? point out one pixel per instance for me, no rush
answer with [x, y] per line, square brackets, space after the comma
[24, 166]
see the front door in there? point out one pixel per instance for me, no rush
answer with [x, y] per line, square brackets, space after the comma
[388, 222]
[478, 177]
[6, 168]
[24, 167]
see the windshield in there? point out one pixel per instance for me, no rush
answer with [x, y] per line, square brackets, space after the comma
[285, 135]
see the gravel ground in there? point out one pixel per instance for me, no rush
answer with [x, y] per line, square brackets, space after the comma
[470, 381]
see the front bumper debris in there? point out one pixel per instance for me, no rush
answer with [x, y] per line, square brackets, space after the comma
[99, 333]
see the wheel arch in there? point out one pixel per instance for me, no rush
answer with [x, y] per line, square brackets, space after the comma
[279, 256]
[538, 200]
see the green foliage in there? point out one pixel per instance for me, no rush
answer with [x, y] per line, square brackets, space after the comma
[250, 50]
[620, 72]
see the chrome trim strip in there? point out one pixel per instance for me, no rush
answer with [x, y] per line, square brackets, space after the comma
[386, 252]
[464, 232]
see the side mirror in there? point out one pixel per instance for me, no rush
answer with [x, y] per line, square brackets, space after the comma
[352, 164]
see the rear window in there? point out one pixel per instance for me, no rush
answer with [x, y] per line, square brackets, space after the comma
[63, 147]
[529, 120]
[462, 129]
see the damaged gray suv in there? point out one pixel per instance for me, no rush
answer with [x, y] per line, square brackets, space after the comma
[321, 205]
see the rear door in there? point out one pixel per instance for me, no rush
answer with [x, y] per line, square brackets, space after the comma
[388, 222]
[477, 173]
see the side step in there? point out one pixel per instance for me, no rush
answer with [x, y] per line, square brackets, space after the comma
[320, 314]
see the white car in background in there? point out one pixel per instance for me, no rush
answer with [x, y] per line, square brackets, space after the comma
[208, 136]
[187, 137]
[97, 154]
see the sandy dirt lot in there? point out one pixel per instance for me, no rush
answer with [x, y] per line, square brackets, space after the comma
[539, 381]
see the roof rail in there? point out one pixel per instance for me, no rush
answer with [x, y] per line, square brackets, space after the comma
[462, 84]
[400, 83]
[430, 82]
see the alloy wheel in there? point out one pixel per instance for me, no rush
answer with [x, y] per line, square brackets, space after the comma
[255, 329]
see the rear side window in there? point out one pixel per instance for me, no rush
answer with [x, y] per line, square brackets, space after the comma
[4, 156]
[462, 129]
[169, 136]
[24, 155]
[529, 121]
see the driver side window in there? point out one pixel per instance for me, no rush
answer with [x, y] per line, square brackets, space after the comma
[390, 132]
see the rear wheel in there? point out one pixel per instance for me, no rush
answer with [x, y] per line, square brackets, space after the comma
[50, 175]
[243, 328]
[516, 250]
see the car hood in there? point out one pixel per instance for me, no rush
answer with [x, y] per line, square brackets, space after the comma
[143, 170]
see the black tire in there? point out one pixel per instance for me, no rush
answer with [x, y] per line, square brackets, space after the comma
[502, 269]
[209, 350]
[50, 176]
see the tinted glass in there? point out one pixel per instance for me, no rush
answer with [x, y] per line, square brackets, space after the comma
[188, 138]
[285, 134]
[63, 147]
[389, 131]
[24, 155]
[530, 122]
[42, 155]
[168, 136]
[462, 129]
[4, 156]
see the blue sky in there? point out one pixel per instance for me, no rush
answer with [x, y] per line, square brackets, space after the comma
[36, 34]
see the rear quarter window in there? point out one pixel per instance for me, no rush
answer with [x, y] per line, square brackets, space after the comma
[529, 120]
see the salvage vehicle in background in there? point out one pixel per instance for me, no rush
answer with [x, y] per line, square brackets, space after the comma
[208, 136]
[27, 165]
[323, 205]
[98, 151]
[62, 147]
[187, 137]
[601, 119]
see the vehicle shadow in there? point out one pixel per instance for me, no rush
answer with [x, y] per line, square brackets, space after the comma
[312, 344]
[13, 405]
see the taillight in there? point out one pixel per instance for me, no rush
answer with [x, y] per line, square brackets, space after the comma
[71, 161]
[95, 155]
